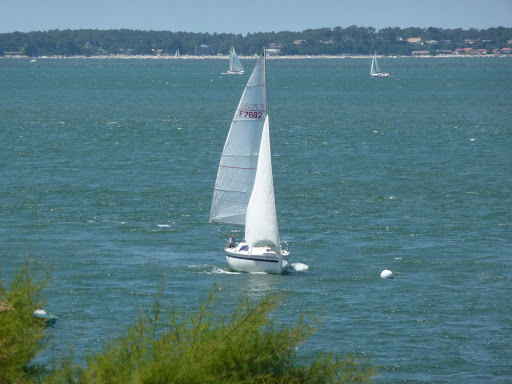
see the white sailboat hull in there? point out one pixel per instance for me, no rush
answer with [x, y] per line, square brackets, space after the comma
[244, 258]
[380, 74]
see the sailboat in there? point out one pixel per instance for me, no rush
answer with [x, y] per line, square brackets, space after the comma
[375, 70]
[177, 53]
[235, 66]
[244, 189]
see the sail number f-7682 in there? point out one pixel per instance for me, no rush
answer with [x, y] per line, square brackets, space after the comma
[251, 111]
[250, 114]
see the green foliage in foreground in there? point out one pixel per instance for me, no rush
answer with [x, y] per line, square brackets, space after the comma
[208, 346]
[22, 336]
[244, 347]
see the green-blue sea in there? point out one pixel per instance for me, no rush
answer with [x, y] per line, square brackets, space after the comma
[107, 170]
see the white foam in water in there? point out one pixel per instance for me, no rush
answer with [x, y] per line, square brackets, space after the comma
[164, 225]
[217, 270]
[299, 267]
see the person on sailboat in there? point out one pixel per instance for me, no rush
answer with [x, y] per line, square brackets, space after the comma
[231, 243]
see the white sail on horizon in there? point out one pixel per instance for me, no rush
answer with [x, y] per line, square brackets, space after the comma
[375, 66]
[235, 66]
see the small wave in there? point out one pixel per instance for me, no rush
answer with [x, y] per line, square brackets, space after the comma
[163, 225]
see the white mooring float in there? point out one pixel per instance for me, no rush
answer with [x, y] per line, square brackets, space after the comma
[386, 274]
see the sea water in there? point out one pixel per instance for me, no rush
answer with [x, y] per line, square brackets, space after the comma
[107, 169]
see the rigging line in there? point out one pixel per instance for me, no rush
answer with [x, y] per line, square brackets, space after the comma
[220, 230]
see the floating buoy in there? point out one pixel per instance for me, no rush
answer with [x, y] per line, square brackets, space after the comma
[386, 274]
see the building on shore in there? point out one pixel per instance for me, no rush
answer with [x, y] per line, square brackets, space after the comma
[204, 50]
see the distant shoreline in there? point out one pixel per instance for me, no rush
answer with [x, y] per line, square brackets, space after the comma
[225, 57]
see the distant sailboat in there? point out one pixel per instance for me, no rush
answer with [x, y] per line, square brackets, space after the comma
[244, 189]
[235, 66]
[177, 53]
[375, 70]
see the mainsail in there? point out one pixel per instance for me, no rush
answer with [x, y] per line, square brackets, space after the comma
[239, 159]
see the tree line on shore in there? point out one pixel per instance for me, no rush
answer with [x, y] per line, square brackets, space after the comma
[352, 40]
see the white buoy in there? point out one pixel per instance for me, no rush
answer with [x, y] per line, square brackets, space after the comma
[386, 274]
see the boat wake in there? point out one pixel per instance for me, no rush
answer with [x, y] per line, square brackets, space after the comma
[217, 271]
[211, 269]
[290, 268]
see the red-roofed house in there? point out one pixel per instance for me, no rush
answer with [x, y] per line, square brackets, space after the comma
[414, 40]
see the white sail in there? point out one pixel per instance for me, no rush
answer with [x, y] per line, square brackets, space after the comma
[235, 66]
[261, 222]
[377, 64]
[374, 69]
[239, 159]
